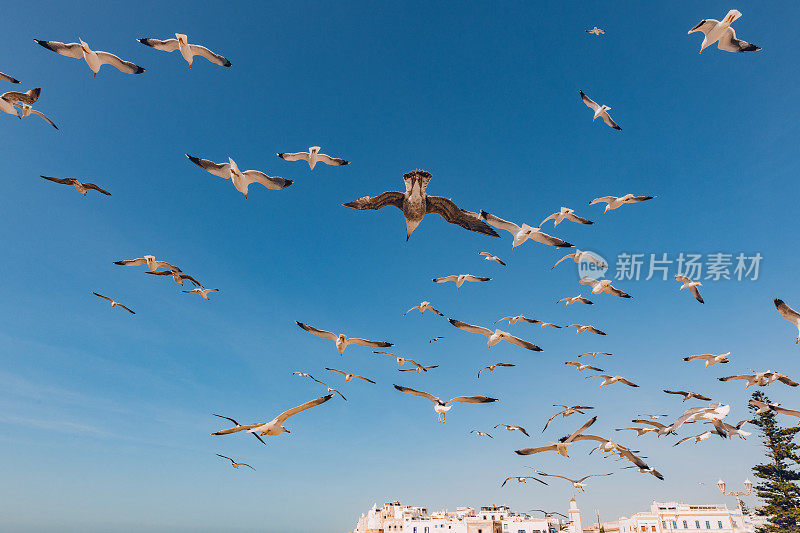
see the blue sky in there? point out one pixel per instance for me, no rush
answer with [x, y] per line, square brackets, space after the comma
[106, 417]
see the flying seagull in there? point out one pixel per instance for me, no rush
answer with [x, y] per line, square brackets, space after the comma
[615, 202]
[561, 446]
[241, 180]
[691, 285]
[459, 279]
[26, 110]
[441, 407]
[495, 336]
[491, 368]
[595, 354]
[330, 389]
[697, 438]
[524, 232]
[150, 261]
[238, 427]
[565, 213]
[313, 157]
[424, 306]
[9, 79]
[513, 428]
[94, 58]
[188, 51]
[274, 427]
[520, 318]
[415, 204]
[435, 339]
[722, 34]
[481, 433]
[761, 379]
[234, 463]
[661, 429]
[576, 483]
[608, 446]
[490, 257]
[572, 300]
[604, 285]
[610, 380]
[547, 514]
[341, 340]
[348, 376]
[599, 111]
[582, 367]
[639, 431]
[177, 276]
[10, 100]
[688, 395]
[789, 314]
[418, 368]
[710, 359]
[578, 255]
[202, 292]
[579, 328]
[774, 407]
[81, 187]
[113, 303]
[567, 411]
[652, 417]
[596, 31]
[522, 479]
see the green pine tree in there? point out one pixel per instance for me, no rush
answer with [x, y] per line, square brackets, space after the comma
[778, 487]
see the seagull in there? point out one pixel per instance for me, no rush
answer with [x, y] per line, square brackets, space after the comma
[349, 377]
[415, 204]
[424, 306]
[565, 213]
[596, 31]
[652, 417]
[495, 336]
[603, 285]
[188, 51]
[26, 110]
[202, 292]
[577, 256]
[177, 275]
[441, 407]
[615, 202]
[79, 186]
[418, 368]
[647, 470]
[599, 111]
[691, 285]
[714, 412]
[576, 483]
[726, 429]
[113, 303]
[490, 257]
[10, 100]
[513, 428]
[764, 407]
[688, 395]
[400, 360]
[761, 379]
[481, 433]
[595, 354]
[561, 446]
[435, 339]
[639, 431]
[524, 232]
[789, 314]
[574, 299]
[610, 380]
[547, 514]
[580, 329]
[582, 367]
[9, 79]
[460, 279]
[608, 446]
[341, 339]
[661, 429]
[567, 411]
[519, 318]
[330, 389]
[95, 59]
[491, 368]
[234, 463]
[697, 438]
[522, 479]
[722, 34]
[241, 180]
[275, 427]
[710, 359]
[313, 157]
[151, 262]
[238, 427]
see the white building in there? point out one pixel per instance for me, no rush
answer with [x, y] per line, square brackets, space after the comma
[396, 518]
[674, 517]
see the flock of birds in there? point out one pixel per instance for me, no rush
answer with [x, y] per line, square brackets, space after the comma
[414, 202]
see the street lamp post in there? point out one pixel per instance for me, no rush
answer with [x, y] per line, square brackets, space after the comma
[748, 489]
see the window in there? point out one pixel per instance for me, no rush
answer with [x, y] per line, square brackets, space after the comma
[520, 531]
[685, 525]
[674, 525]
[708, 524]
[663, 524]
[697, 524]
[719, 524]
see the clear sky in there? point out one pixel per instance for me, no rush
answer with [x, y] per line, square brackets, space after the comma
[105, 417]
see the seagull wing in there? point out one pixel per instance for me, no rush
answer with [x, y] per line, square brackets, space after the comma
[682, 279]
[28, 97]
[544, 238]
[9, 79]
[124, 66]
[786, 312]
[96, 188]
[659, 425]
[786, 381]
[580, 220]
[455, 215]
[594, 106]
[499, 223]
[125, 308]
[414, 392]
[551, 217]
[394, 198]
[635, 199]
[470, 327]
[131, 262]
[696, 293]
[63, 181]
[550, 420]
[226, 457]
[223, 170]
[704, 356]
[730, 43]
[784, 411]
[531, 451]
[521, 343]
[370, 344]
[362, 377]
[73, 50]
[40, 114]
[616, 292]
[445, 279]
[589, 281]
[337, 371]
[270, 182]
[318, 332]
[328, 160]
[169, 45]
[198, 50]
[281, 418]
[705, 26]
[606, 199]
[227, 418]
[294, 156]
[595, 330]
[470, 277]
[103, 297]
[628, 383]
[608, 120]
[471, 399]
[581, 429]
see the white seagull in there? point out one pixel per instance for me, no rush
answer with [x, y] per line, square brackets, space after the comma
[341, 340]
[697, 438]
[330, 389]
[522, 479]
[761, 379]
[81, 187]
[565, 214]
[579, 328]
[113, 303]
[490, 257]
[581, 367]
[491, 368]
[561, 446]
[348, 377]
[177, 276]
[691, 285]
[519, 318]
[615, 202]
[599, 111]
[424, 306]
[274, 427]
[418, 368]
[459, 279]
[639, 431]
[604, 285]
[313, 156]
[441, 407]
[567, 411]
[481, 433]
[579, 255]
[710, 359]
[595, 354]
[596, 31]
[789, 314]
[10, 100]
[94, 58]
[688, 395]
[150, 261]
[188, 51]
[513, 428]
[495, 336]
[720, 32]
[202, 292]
[775, 407]
[524, 232]
[241, 180]
[27, 110]
[578, 298]
[610, 380]
[578, 484]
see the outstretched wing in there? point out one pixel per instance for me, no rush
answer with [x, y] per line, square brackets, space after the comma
[101, 296]
[123, 66]
[63, 181]
[9, 79]
[270, 182]
[704, 26]
[308, 405]
[370, 344]
[45, 118]
[169, 45]
[208, 54]
[96, 188]
[318, 332]
[328, 160]
[589, 102]
[73, 50]
[414, 392]
[730, 43]
[223, 170]
[469, 327]
[394, 198]
[455, 215]
[499, 223]
[471, 399]
[521, 343]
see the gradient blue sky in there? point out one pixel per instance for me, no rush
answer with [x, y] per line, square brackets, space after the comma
[105, 417]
